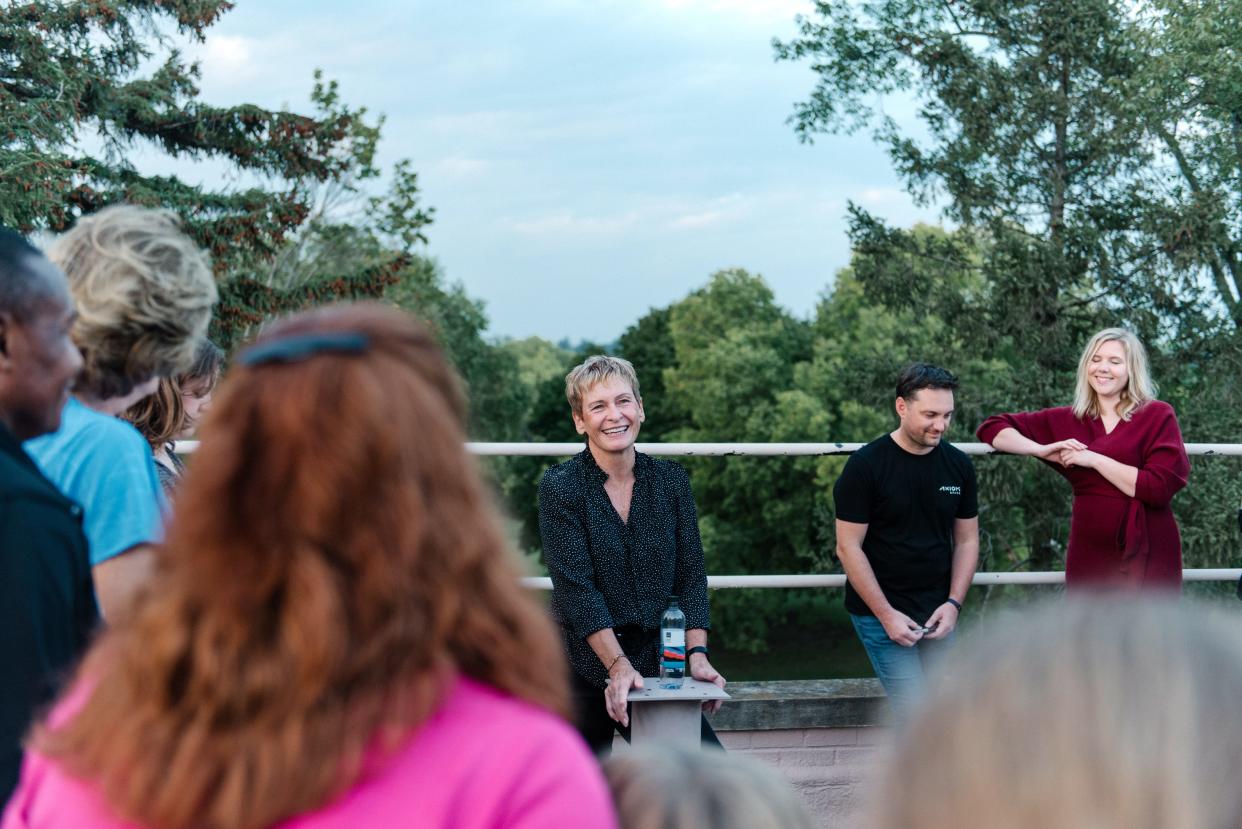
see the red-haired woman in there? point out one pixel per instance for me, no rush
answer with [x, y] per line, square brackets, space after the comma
[335, 635]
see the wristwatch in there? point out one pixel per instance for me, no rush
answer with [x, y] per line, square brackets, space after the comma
[696, 649]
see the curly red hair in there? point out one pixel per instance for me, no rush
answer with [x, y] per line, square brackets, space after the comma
[334, 558]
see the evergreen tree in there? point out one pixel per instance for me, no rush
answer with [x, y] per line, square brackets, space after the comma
[82, 82]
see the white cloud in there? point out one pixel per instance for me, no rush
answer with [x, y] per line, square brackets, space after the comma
[569, 224]
[691, 17]
[696, 220]
[781, 10]
[460, 167]
[228, 58]
[882, 197]
[717, 211]
[650, 213]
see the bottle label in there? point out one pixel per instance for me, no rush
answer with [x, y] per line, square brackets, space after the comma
[672, 654]
[674, 649]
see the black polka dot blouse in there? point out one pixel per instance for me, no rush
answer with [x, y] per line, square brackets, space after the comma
[610, 574]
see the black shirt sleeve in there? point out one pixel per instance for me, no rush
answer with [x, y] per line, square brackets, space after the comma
[47, 613]
[853, 491]
[691, 578]
[568, 559]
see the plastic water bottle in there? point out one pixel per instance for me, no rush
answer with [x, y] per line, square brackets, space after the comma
[672, 646]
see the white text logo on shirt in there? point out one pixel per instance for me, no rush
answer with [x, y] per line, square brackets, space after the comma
[952, 490]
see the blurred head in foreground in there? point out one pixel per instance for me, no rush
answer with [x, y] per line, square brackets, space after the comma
[1101, 713]
[674, 788]
[144, 293]
[334, 560]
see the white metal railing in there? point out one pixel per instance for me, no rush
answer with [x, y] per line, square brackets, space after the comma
[561, 450]
[985, 579]
[802, 449]
[557, 450]
[767, 449]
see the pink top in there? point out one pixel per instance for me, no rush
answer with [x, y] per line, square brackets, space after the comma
[484, 760]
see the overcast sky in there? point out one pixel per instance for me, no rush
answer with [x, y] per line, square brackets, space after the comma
[587, 159]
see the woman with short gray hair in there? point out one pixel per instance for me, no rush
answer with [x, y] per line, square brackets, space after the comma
[620, 535]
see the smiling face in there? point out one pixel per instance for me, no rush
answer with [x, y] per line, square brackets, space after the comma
[611, 416]
[39, 360]
[924, 418]
[1106, 370]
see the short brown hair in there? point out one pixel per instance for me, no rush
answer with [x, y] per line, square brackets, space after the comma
[143, 292]
[160, 417]
[333, 560]
[594, 370]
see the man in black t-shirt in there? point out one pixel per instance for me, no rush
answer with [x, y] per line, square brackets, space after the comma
[908, 535]
[47, 598]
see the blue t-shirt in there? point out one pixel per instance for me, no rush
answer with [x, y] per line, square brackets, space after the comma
[105, 465]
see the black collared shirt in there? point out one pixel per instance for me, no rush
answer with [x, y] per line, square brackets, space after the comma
[47, 597]
[612, 574]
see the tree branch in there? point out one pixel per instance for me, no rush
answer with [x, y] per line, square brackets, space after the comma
[1229, 287]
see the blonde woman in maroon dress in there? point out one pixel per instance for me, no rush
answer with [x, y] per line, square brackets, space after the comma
[1121, 450]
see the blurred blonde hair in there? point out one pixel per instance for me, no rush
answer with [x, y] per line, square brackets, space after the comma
[1139, 386]
[143, 292]
[597, 369]
[1103, 713]
[674, 788]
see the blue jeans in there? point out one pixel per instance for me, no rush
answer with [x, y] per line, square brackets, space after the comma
[901, 670]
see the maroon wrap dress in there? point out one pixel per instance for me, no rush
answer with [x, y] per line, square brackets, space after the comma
[1116, 540]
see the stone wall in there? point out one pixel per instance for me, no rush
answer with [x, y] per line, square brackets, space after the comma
[824, 736]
